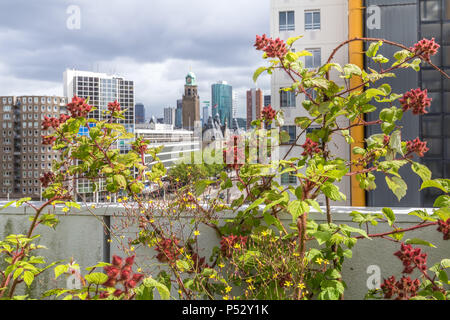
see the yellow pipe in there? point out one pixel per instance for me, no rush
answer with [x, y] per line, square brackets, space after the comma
[356, 56]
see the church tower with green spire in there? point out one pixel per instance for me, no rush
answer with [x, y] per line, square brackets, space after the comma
[191, 102]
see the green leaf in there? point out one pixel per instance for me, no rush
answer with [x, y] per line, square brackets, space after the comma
[96, 278]
[292, 40]
[298, 208]
[389, 214]
[421, 242]
[28, 277]
[442, 202]
[162, 289]
[433, 184]
[322, 236]
[332, 192]
[373, 49]
[422, 171]
[398, 186]
[61, 269]
[258, 72]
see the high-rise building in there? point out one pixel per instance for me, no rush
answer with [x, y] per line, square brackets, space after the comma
[169, 116]
[101, 89]
[205, 113]
[407, 23]
[191, 102]
[222, 96]
[324, 25]
[23, 158]
[235, 105]
[267, 100]
[179, 115]
[139, 112]
[254, 105]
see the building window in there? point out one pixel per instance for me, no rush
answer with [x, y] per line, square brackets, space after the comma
[292, 131]
[315, 60]
[287, 21]
[288, 178]
[287, 99]
[312, 20]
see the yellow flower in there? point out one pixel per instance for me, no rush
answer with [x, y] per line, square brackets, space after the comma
[139, 270]
[296, 254]
[108, 198]
[212, 276]
[119, 200]
[301, 286]
[326, 262]
[288, 284]
[319, 261]
[226, 298]
[65, 209]
[177, 179]
[152, 221]
[181, 250]
[237, 246]
[228, 289]
[196, 233]
[249, 280]
[93, 206]
[265, 233]
[251, 287]
[125, 198]
[150, 202]
[221, 265]
[132, 248]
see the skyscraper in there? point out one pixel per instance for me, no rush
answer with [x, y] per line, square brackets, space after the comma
[267, 100]
[23, 157]
[222, 96]
[191, 102]
[169, 116]
[205, 112]
[254, 105]
[407, 23]
[179, 114]
[101, 89]
[139, 111]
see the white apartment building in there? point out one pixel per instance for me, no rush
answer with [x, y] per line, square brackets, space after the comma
[323, 25]
[101, 89]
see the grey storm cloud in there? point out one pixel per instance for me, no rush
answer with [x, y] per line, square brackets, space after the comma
[154, 41]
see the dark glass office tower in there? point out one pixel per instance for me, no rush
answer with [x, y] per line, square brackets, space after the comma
[407, 22]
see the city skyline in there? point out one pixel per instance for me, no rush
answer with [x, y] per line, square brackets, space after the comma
[198, 38]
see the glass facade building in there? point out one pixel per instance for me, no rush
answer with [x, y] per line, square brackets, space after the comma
[222, 96]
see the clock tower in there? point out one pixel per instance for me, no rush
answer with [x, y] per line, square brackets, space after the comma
[191, 102]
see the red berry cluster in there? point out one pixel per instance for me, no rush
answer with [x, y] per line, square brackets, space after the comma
[273, 48]
[412, 258]
[233, 155]
[268, 113]
[114, 106]
[54, 122]
[405, 288]
[418, 147]
[444, 227]
[417, 100]
[48, 140]
[310, 148]
[168, 250]
[121, 273]
[140, 146]
[386, 140]
[78, 107]
[47, 179]
[426, 48]
[228, 244]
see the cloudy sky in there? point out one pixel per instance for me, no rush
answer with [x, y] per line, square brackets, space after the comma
[153, 42]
